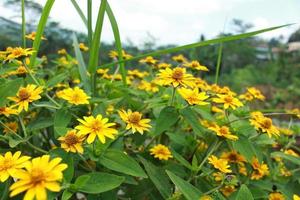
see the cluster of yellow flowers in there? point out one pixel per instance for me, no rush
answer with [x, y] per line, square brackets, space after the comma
[35, 176]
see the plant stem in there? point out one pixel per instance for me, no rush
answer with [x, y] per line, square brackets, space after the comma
[85, 162]
[89, 21]
[219, 63]
[213, 148]
[45, 106]
[173, 95]
[22, 126]
[23, 24]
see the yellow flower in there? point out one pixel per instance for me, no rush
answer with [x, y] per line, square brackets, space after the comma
[256, 93]
[149, 60]
[233, 156]
[17, 52]
[62, 52]
[175, 77]
[276, 196]
[134, 121]
[7, 111]
[72, 141]
[40, 175]
[32, 35]
[223, 131]
[286, 131]
[196, 65]
[227, 190]
[102, 71]
[11, 127]
[98, 126]
[294, 111]
[161, 152]
[206, 197]
[114, 54]
[74, 96]
[193, 97]
[26, 95]
[149, 87]
[220, 164]
[218, 176]
[296, 197]
[291, 152]
[264, 124]
[82, 47]
[164, 65]
[179, 58]
[228, 101]
[260, 170]
[10, 164]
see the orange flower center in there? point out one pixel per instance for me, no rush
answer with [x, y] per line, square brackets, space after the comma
[71, 139]
[177, 74]
[223, 131]
[134, 118]
[228, 99]
[17, 52]
[37, 176]
[24, 94]
[267, 123]
[233, 157]
[96, 126]
[7, 164]
[2, 109]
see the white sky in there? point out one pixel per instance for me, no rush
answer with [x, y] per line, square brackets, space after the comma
[178, 21]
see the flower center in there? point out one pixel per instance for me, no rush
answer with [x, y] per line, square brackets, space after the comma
[228, 99]
[267, 123]
[71, 139]
[2, 109]
[134, 118]
[17, 52]
[96, 126]
[233, 157]
[224, 131]
[7, 164]
[23, 94]
[177, 74]
[37, 176]
[76, 97]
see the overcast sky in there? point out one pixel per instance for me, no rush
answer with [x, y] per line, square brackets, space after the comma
[181, 22]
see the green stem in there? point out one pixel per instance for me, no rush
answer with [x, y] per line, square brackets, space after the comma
[213, 148]
[173, 96]
[214, 189]
[219, 63]
[22, 126]
[85, 162]
[89, 22]
[23, 24]
[45, 106]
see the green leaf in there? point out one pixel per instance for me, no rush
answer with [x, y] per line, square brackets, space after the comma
[197, 44]
[62, 118]
[118, 161]
[40, 30]
[245, 147]
[81, 66]
[117, 37]
[97, 182]
[167, 117]
[181, 159]
[79, 11]
[94, 50]
[66, 195]
[56, 79]
[158, 177]
[191, 117]
[39, 124]
[189, 191]
[244, 194]
[8, 89]
[290, 158]
[13, 142]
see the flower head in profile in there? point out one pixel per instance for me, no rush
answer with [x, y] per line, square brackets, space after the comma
[7, 111]
[223, 131]
[264, 124]
[96, 126]
[72, 142]
[233, 157]
[114, 54]
[196, 65]
[10, 164]
[276, 196]
[149, 60]
[134, 121]
[220, 164]
[193, 96]
[62, 52]
[296, 197]
[26, 95]
[228, 101]
[175, 77]
[74, 96]
[40, 175]
[82, 47]
[161, 152]
[17, 52]
[179, 58]
[32, 35]
[164, 65]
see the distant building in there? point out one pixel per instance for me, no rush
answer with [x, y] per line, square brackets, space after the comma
[293, 46]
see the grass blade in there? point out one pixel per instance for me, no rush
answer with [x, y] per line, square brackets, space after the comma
[118, 43]
[81, 65]
[89, 22]
[40, 30]
[197, 44]
[94, 51]
[23, 24]
[220, 50]
[79, 11]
